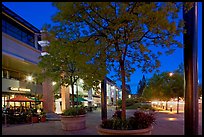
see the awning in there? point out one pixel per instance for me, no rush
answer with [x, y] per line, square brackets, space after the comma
[37, 100]
[20, 99]
[80, 99]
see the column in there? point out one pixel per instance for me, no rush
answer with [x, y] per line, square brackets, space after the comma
[114, 95]
[90, 98]
[48, 96]
[65, 94]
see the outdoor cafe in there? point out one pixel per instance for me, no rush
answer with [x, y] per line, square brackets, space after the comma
[20, 110]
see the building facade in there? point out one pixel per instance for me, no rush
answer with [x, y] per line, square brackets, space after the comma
[20, 56]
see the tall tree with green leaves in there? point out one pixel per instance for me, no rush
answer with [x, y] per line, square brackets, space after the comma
[164, 86]
[127, 33]
[158, 87]
[68, 61]
[177, 84]
[141, 86]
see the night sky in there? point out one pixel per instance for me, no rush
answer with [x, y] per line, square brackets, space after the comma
[39, 13]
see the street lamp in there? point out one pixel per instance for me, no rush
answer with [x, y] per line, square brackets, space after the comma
[171, 74]
[30, 78]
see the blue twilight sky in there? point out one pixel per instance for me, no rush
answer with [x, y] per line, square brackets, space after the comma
[39, 13]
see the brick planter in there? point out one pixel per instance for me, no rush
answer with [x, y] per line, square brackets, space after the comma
[34, 119]
[73, 122]
[43, 119]
[146, 131]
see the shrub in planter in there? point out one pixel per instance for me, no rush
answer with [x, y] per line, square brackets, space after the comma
[139, 120]
[42, 116]
[74, 111]
[73, 119]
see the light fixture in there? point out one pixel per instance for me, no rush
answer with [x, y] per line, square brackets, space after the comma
[29, 78]
[54, 83]
[171, 74]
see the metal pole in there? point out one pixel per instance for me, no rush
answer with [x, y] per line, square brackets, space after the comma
[191, 76]
[116, 108]
[103, 100]
[35, 93]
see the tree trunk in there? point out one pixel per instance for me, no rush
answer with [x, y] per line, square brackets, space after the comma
[72, 85]
[77, 92]
[166, 105]
[103, 100]
[177, 105]
[123, 89]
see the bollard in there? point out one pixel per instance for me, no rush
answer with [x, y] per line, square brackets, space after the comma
[171, 109]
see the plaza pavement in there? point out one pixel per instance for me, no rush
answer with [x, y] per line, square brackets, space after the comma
[166, 124]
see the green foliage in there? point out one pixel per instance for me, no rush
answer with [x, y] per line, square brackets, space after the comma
[188, 6]
[74, 111]
[139, 120]
[129, 102]
[141, 86]
[42, 113]
[163, 87]
[141, 106]
[120, 34]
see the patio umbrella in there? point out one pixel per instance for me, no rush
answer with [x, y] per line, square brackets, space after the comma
[80, 99]
[37, 100]
[20, 99]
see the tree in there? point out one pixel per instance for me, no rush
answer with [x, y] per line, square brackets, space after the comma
[164, 87]
[128, 89]
[158, 87]
[67, 61]
[125, 32]
[141, 86]
[177, 84]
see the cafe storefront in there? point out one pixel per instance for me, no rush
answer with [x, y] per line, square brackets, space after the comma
[12, 88]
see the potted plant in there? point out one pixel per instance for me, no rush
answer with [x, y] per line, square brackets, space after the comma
[34, 115]
[141, 123]
[42, 116]
[73, 118]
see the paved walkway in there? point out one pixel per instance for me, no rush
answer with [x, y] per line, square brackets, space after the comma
[166, 124]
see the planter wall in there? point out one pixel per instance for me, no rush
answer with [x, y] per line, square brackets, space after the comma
[146, 131]
[73, 122]
[34, 119]
[43, 119]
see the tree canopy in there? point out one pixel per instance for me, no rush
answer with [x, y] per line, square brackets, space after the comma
[141, 86]
[125, 34]
[164, 86]
[68, 61]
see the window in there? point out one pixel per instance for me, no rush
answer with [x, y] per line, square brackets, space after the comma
[18, 32]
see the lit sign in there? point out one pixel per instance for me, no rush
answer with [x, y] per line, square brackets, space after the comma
[19, 89]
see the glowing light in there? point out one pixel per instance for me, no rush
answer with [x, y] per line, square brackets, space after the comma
[29, 78]
[54, 83]
[171, 119]
[171, 74]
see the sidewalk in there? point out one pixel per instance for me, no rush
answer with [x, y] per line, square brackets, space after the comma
[166, 124]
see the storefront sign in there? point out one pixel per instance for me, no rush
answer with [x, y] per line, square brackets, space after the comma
[19, 89]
